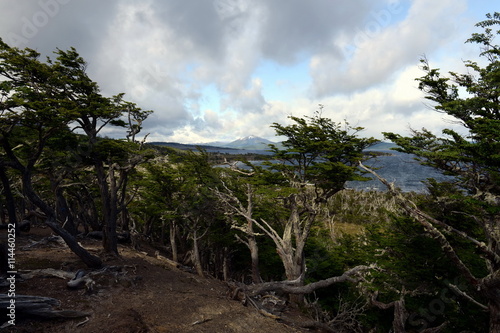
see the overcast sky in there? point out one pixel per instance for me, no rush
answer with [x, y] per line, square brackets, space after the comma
[224, 69]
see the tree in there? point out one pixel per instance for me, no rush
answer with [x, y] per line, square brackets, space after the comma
[40, 102]
[91, 112]
[231, 202]
[318, 158]
[32, 111]
[473, 99]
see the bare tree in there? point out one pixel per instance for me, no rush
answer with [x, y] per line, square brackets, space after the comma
[486, 286]
[234, 205]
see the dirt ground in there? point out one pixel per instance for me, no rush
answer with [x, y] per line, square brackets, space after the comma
[142, 294]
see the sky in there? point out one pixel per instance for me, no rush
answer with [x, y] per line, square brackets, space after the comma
[218, 70]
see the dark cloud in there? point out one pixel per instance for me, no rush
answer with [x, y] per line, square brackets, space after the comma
[195, 21]
[307, 26]
[45, 25]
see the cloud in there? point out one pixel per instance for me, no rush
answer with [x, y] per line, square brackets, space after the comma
[378, 49]
[362, 57]
[45, 25]
[306, 27]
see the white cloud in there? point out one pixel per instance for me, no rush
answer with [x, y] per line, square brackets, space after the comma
[363, 57]
[377, 52]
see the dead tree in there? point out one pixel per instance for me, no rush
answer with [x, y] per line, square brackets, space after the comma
[229, 200]
[353, 275]
[487, 286]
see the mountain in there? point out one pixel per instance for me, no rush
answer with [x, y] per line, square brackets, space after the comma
[250, 142]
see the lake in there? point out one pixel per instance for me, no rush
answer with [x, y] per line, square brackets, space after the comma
[398, 168]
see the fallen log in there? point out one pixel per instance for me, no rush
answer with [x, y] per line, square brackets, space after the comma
[38, 306]
[56, 240]
[47, 272]
[81, 278]
[77, 280]
[290, 287]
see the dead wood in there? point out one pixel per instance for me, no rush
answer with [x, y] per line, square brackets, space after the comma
[122, 237]
[38, 306]
[289, 287]
[250, 294]
[83, 279]
[47, 272]
[198, 322]
[56, 240]
[165, 260]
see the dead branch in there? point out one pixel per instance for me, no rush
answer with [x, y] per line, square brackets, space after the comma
[82, 322]
[463, 294]
[166, 260]
[233, 167]
[198, 322]
[286, 287]
[57, 240]
[428, 223]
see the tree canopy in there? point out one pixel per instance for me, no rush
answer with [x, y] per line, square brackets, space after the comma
[472, 201]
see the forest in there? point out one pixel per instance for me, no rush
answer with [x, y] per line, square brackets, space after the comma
[287, 228]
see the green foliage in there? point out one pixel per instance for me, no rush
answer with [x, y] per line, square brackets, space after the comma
[473, 157]
[466, 211]
[42, 105]
[321, 152]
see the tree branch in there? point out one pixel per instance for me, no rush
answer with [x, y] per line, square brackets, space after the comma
[425, 220]
[289, 288]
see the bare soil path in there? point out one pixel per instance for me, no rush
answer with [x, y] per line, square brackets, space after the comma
[144, 295]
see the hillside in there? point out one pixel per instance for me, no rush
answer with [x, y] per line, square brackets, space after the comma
[252, 143]
[142, 295]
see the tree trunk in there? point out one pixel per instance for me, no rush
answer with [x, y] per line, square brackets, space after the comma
[63, 211]
[9, 198]
[494, 318]
[493, 295]
[89, 259]
[225, 264]
[196, 255]
[109, 209]
[173, 242]
[291, 287]
[254, 254]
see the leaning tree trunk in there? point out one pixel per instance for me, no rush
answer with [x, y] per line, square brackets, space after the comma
[64, 212]
[9, 198]
[89, 259]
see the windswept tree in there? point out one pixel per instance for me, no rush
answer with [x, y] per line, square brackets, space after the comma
[318, 157]
[40, 101]
[471, 207]
[32, 111]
